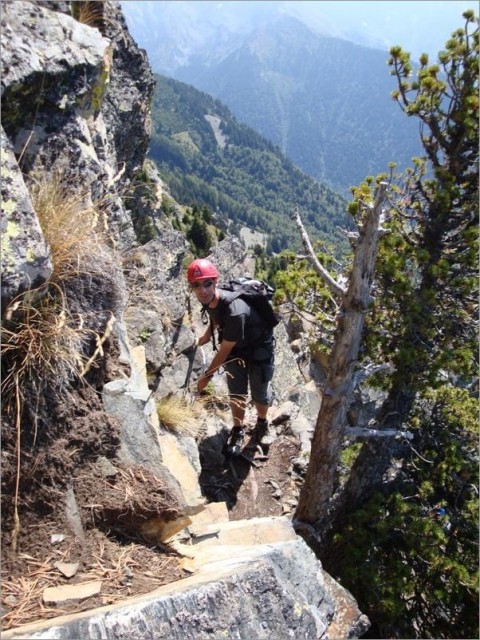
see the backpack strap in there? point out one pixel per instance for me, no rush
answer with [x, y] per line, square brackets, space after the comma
[205, 316]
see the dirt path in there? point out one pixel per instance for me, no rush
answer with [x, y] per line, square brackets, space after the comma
[265, 486]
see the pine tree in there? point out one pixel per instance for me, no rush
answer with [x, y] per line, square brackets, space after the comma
[424, 321]
[423, 324]
[417, 547]
[415, 543]
[437, 220]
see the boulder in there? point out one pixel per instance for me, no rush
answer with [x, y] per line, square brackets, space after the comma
[276, 584]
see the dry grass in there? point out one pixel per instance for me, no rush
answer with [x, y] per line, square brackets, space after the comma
[72, 226]
[179, 416]
[41, 340]
[89, 12]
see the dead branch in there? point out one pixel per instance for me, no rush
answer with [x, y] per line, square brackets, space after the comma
[332, 284]
[365, 432]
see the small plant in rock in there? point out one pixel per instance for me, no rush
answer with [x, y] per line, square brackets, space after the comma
[347, 458]
[144, 334]
[177, 415]
[168, 206]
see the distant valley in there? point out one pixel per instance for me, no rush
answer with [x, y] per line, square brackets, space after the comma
[324, 101]
[209, 158]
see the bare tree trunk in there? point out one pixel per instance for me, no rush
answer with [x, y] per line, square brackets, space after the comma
[320, 479]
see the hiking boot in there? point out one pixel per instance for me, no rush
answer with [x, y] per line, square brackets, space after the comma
[235, 441]
[264, 434]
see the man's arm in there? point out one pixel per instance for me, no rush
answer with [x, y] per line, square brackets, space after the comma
[220, 357]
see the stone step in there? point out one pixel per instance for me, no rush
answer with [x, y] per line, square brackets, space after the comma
[235, 541]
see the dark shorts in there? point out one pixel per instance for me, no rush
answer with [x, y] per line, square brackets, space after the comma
[241, 373]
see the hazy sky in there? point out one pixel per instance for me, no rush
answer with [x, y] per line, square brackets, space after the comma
[416, 25]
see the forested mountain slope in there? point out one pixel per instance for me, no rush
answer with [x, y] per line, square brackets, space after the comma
[324, 101]
[206, 156]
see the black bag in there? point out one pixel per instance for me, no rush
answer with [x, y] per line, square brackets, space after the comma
[258, 294]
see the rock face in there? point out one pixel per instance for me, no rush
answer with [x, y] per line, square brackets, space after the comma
[26, 261]
[75, 107]
[75, 100]
[243, 589]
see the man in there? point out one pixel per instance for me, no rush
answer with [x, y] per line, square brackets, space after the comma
[246, 351]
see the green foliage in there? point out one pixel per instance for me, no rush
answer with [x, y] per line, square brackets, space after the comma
[424, 316]
[144, 334]
[167, 205]
[144, 228]
[416, 544]
[199, 237]
[199, 229]
[417, 549]
[297, 285]
[247, 181]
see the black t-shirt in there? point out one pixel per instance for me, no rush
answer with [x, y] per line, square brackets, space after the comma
[238, 322]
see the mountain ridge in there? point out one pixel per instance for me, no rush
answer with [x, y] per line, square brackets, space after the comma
[206, 156]
[323, 100]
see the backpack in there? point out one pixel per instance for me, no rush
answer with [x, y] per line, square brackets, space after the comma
[258, 294]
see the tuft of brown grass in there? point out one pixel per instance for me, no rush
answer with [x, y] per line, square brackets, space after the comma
[90, 13]
[41, 341]
[177, 415]
[72, 226]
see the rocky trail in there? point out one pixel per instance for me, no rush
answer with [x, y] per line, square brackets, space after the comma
[102, 500]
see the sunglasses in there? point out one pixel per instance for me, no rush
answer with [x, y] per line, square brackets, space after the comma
[205, 285]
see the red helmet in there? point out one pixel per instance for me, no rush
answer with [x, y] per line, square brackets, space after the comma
[201, 269]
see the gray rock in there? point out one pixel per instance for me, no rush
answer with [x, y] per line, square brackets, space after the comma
[126, 107]
[26, 262]
[139, 438]
[279, 591]
[72, 513]
[51, 66]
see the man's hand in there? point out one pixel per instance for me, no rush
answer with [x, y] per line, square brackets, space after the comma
[202, 382]
[220, 357]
